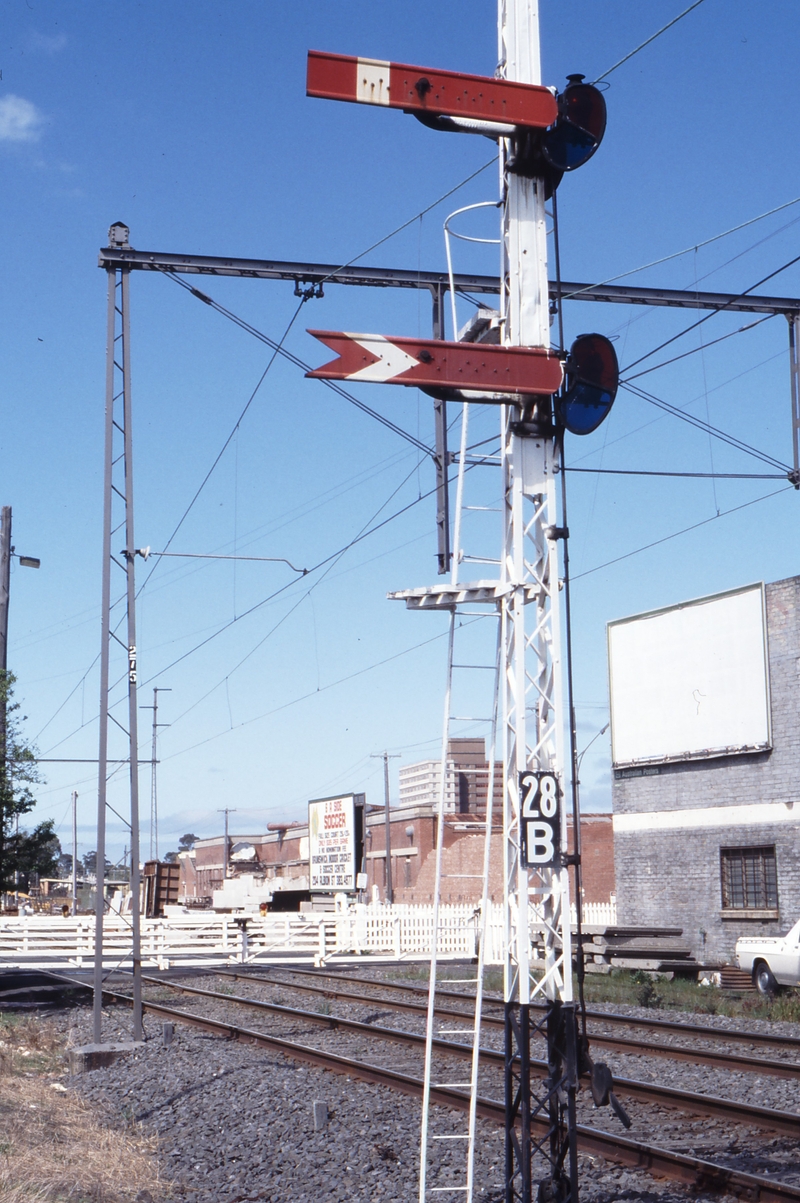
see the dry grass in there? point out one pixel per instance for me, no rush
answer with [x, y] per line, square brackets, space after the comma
[54, 1147]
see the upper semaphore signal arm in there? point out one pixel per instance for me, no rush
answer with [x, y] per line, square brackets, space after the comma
[425, 90]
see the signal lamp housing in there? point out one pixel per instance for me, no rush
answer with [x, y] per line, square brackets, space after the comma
[568, 143]
[592, 379]
[579, 127]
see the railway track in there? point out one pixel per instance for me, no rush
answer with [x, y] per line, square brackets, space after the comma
[696, 1172]
[784, 1122]
[730, 1035]
[674, 1052]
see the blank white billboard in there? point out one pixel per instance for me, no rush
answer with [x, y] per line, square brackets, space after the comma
[690, 681]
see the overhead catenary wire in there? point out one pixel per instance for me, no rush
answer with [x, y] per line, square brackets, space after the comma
[647, 41]
[633, 271]
[713, 313]
[703, 347]
[730, 439]
[689, 475]
[321, 689]
[684, 531]
[295, 359]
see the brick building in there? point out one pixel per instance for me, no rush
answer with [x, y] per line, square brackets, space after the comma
[711, 843]
[281, 855]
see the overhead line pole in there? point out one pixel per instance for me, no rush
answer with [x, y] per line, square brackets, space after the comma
[227, 810]
[5, 584]
[386, 757]
[74, 852]
[119, 419]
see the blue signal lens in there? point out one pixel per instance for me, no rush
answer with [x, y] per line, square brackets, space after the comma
[578, 129]
[592, 374]
[583, 408]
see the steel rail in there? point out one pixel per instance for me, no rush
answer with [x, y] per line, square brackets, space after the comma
[319, 274]
[620, 1044]
[693, 1171]
[734, 1035]
[784, 1122]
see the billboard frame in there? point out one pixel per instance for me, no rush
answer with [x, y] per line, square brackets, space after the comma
[715, 753]
[357, 850]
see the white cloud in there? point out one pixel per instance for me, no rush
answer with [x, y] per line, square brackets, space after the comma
[20, 120]
[48, 44]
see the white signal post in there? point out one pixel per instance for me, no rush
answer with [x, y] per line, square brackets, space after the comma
[533, 709]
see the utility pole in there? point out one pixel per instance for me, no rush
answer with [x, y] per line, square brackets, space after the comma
[74, 852]
[6, 552]
[227, 810]
[153, 762]
[5, 582]
[386, 757]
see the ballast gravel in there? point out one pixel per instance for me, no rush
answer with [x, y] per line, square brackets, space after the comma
[236, 1123]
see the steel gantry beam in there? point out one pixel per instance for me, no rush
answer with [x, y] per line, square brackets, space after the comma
[320, 274]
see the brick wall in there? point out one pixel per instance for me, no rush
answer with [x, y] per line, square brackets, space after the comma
[672, 877]
[413, 858]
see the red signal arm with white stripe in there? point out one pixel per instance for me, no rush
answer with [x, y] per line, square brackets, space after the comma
[420, 90]
[433, 363]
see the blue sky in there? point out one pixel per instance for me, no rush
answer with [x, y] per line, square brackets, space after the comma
[189, 122]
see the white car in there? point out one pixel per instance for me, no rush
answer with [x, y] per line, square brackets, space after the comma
[774, 961]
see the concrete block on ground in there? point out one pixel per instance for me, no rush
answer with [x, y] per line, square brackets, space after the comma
[320, 1115]
[97, 1056]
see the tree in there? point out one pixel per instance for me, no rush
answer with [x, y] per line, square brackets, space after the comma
[65, 865]
[90, 864]
[18, 772]
[170, 857]
[187, 841]
[37, 851]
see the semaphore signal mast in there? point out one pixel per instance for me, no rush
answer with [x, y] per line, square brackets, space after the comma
[540, 136]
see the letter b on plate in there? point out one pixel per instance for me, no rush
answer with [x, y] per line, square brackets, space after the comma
[541, 819]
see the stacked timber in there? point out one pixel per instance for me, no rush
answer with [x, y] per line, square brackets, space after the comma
[652, 949]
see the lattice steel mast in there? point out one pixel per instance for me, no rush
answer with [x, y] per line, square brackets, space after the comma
[532, 703]
[118, 521]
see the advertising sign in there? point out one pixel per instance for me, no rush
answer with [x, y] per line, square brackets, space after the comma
[690, 681]
[335, 842]
[541, 820]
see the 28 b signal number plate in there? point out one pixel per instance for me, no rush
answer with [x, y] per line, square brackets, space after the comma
[541, 819]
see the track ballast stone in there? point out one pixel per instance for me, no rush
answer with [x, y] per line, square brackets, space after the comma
[235, 1123]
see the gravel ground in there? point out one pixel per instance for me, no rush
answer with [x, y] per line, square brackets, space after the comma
[235, 1123]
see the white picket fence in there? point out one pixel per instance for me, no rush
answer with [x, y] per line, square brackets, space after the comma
[398, 932]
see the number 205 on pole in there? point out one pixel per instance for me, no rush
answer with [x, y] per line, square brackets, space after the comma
[541, 819]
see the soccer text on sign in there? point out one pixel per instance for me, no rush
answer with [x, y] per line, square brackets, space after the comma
[335, 843]
[541, 820]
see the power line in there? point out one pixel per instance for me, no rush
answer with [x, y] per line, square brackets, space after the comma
[695, 247]
[677, 533]
[276, 347]
[411, 220]
[647, 42]
[730, 439]
[295, 359]
[334, 556]
[713, 313]
[691, 475]
[703, 347]
[322, 689]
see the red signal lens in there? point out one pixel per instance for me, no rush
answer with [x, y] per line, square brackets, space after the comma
[592, 376]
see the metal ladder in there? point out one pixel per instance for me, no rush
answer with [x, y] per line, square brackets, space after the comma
[432, 1146]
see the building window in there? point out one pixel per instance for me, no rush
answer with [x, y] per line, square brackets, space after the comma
[749, 879]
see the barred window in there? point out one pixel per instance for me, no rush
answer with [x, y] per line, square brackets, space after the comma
[749, 878]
